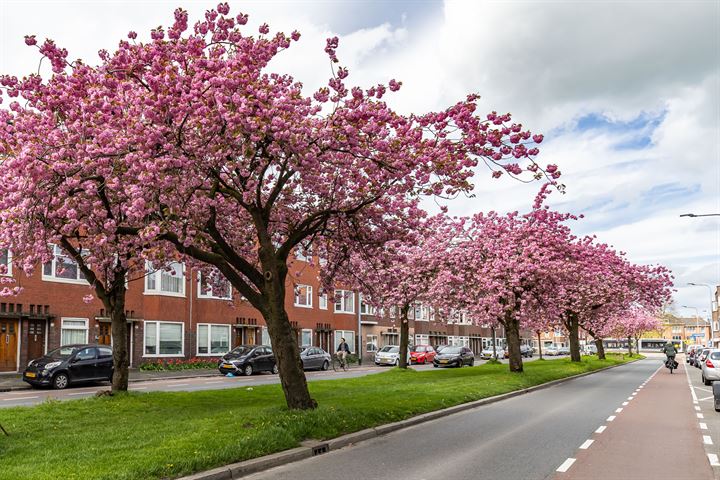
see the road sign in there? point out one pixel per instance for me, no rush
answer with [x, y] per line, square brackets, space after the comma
[698, 335]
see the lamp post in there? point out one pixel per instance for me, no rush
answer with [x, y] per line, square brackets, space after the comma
[709, 287]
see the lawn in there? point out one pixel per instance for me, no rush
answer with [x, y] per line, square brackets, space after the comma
[159, 435]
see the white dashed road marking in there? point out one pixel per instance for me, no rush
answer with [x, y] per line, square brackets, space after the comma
[566, 465]
[611, 418]
[587, 444]
[618, 410]
[600, 429]
[703, 426]
[700, 415]
[713, 460]
[707, 440]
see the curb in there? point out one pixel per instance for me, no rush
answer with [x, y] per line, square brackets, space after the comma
[312, 448]
[132, 380]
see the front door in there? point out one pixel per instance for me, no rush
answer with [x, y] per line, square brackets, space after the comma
[8, 345]
[104, 334]
[36, 339]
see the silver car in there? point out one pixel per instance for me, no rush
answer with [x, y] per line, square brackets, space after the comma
[389, 355]
[700, 359]
[552, 351]
[711, 367]
[487, 353]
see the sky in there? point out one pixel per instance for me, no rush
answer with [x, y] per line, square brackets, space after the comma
[625, 92]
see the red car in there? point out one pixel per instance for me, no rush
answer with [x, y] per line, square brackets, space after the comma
[422, 354]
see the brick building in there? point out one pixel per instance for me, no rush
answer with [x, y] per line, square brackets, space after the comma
[177, 315]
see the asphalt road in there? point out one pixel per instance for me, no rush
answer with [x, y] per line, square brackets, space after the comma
[189, 384]
[526, 437]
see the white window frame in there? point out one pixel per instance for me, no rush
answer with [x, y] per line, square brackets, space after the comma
[308, 296]
[9, 265]
[263, 333]
[343, 303]
[366, 308]
[209, 339]
[75, 319]
[303, 254]
[344, 334]
[157, 340]
[211, 295]
[305, 330]
[323, 301]
[157, 273]
[57, 251]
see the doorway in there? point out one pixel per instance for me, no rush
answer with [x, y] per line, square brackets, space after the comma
[36, 339]
[8, 345]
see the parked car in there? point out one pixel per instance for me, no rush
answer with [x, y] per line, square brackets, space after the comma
[487, 352]
[551, 351]
[590, 349]
[454, 357]
[526, 351]
[711, 367]
[248, 359]
[315, 358]
[438, 348]
[389, 355]
[422, 354]
[564, 351]
[70, 364]
[693, 351]
[699, 360]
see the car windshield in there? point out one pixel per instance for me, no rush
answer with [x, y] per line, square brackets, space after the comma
[62, 353]
[452, 350]
[240, 350]
[715, 355]
[390, 349]
[417, 349]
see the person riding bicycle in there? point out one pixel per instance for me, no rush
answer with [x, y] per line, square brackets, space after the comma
[343, 350]
[670, 351]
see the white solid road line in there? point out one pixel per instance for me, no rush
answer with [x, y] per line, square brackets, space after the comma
[703, 426]
[214, 382]
[139, 388]
[586, 444]
[18, 398]
[611, 418]
[713, 460]
[706, 398]
[177, 384]
[566, 465]
[707, 440]
[601, 429]
[80, 393]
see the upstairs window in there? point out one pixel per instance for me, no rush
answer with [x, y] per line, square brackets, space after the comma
[62, 268]
[303, 296]
[218, 288]
[165, 281]
[323, 301]
[6, 261]
[344, 301]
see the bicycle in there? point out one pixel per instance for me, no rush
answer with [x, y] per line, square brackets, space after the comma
[671, 364]
[338, 363]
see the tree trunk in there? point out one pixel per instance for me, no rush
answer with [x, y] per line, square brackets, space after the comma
[637, 345]
[404, 335]
[512, 335]
[629, 339]
[600, 348]
[539, 345]
[284, 339]
[119, 332]
[493, 340]
[574, 338]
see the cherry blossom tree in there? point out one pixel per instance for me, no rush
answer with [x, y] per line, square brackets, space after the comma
[632, 325]
[231, 164]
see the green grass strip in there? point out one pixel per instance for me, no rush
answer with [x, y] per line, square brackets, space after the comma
[159, 435]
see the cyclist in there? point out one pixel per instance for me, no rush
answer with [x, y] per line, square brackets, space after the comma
[343, 350]
[670, 350]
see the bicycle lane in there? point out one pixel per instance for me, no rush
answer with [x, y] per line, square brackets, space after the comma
[632, 443]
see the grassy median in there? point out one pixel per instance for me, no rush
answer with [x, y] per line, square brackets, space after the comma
[159, 435]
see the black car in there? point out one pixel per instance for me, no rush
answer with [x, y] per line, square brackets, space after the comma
[248, 359]
[315, 358]
[454, 357]
[70, 364]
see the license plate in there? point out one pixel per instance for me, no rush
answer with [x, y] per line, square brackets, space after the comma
[443, 361]
[227, 365]
[30, 375]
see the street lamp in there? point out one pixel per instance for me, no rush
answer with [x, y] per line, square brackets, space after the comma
[693, 215]
[709, 287]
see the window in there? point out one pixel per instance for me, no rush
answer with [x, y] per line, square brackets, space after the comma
[344, 301]
[165, 281]
[421, 312]
[349, 337]
[365, 308]
[6, 262]
[213, 339]
[303, 296]
[306, 337]
[676, 329]
[322, 301]
[422, 339]
[265, 336]
[86, 354]
[163, 339]
[372, 343]
[104, 352]
[62, 268]
[73, 330]
[218, 288]
[304, 254]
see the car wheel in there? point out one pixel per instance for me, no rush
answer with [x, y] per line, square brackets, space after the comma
[460, 364]
[60, 381]
[248, 370]
[275, 369]
[472, 362]
[326, 365]
[435, 365]
[397, 362]
[706, 381]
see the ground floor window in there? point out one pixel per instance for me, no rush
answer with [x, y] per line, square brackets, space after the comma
[74, 330]
[163, 339]
[213, 339]
[371, 344]
[349, 337]
[306, 337]
[265, 337]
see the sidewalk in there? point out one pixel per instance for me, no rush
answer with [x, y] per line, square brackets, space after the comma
[654, 434]
[13, 381]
